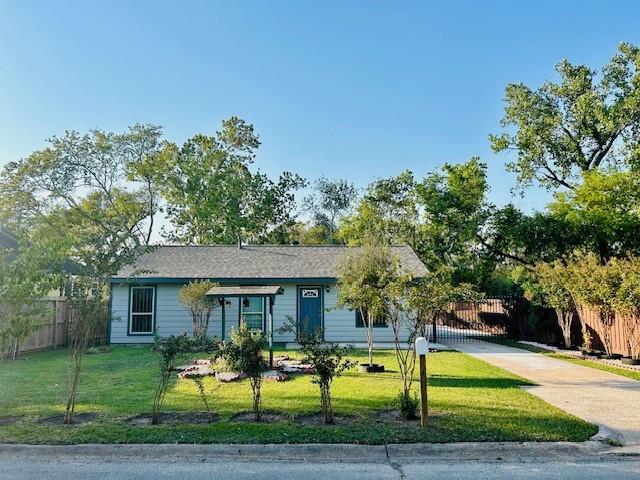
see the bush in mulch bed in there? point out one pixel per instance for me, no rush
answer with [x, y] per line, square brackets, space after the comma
[175, 418]
[78, 419]
[9, 420]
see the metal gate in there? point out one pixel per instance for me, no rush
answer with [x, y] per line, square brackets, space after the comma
[493, 317]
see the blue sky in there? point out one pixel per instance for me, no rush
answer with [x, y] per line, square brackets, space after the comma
[346, 89]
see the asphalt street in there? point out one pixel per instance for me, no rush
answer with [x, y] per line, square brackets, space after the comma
[186, 462]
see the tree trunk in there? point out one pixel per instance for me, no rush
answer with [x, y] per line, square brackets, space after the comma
[564, 321]
[606, 324]
[325, 397]
[370, 341]
[255, 386]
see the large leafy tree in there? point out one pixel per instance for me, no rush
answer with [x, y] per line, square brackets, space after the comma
[582, 122]
[604, 210]
[331, 198]
[213, 195]
[91, 190]
[388, 211]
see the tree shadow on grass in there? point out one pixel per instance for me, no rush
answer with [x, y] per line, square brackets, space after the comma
[476, 382]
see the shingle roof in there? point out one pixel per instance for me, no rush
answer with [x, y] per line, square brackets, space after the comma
[260, 262]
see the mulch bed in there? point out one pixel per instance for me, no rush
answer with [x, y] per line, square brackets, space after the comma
[317, 420]
[392, 415]
[9, 420]
[267, 417]
[58, 420]
[175, 418]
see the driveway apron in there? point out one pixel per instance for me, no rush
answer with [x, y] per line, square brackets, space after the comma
[610, 401]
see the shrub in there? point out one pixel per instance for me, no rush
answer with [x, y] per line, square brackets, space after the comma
[171, 349]
[244, 355]
[328, 360]
[408, 405]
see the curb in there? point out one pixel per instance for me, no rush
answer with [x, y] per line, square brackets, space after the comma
[488, 451]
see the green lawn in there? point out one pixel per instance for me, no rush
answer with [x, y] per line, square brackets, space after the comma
[469, 399]
[576, 360]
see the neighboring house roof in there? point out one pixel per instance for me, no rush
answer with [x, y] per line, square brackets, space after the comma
[252, 262]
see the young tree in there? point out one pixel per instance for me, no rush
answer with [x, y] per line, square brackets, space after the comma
[578, 124]
[194, 297]
[329, 361]
[364, 273]
[331, 199]
[596, 285]
[171, 350]
[214, 197]
[553, 281]
[244, 354]
[412, 307]
[90, 317]
[627, 304]
[29, 270]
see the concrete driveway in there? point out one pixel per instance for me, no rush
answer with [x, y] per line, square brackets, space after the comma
[608, 400]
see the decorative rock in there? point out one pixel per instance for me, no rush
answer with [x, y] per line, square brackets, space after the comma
[197, 371]
[202, 361]
[297, 368]
[275, 376]
[226, 377]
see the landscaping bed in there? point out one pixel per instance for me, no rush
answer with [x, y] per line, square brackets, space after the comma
[470, 401]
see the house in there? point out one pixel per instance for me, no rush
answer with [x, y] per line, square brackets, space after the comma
[295, 283]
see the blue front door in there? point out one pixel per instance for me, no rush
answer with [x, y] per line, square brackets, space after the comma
[309, 309]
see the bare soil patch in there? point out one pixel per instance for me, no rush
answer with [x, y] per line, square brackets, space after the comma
[267, 417]
[175, 418]
[393, 416]
[9, 420]
[317, 419]
[78, 419]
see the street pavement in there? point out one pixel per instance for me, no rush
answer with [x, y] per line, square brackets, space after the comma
[190, 462]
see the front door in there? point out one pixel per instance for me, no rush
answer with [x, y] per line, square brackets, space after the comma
[309, 309]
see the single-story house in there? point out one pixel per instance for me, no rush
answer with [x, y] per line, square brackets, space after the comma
[291, 282]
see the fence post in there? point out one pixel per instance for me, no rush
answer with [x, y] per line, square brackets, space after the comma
[54, 314]
[435, 337]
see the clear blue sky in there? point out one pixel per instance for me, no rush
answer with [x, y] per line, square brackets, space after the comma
[351, 89]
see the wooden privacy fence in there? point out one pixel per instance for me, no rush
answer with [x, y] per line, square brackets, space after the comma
[53, 329]
[517, 318]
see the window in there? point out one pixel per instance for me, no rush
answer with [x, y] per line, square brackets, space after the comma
[252, 312]
[377, 322]
[142, 310]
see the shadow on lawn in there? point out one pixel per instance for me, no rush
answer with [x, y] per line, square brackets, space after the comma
[476, 382]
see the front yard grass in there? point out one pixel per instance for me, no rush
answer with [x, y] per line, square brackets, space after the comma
[469, 401]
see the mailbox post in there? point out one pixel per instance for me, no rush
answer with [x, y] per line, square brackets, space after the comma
[422, 348]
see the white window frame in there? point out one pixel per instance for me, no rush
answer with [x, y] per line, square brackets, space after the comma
[261, 312]
[152, 313]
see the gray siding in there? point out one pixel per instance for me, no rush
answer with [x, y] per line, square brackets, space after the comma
[172, 318]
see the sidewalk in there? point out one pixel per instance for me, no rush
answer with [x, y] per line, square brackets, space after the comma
[611, 401]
